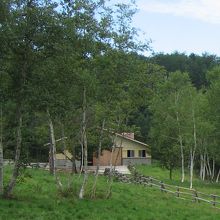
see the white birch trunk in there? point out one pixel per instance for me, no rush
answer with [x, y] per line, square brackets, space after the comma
[180, 142]
[15, 173]
[204, 167]
[213, 169]
[53, 152]
[109, 191]
[98, 162]
[217, 178]
[182, 159]
[193, 149]
[82, 153]
[209, 167]
[191, 169]
[201, 167]
[52, 146]
[85, 178]
[84, 140]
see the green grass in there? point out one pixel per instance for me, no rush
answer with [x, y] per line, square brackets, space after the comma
[163, 174]
[36, 197]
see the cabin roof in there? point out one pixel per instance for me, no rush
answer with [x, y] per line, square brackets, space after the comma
[130, 139]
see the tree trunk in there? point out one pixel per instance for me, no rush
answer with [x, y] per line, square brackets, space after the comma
[201, 166]
[213, 169]
[204, 167]
[84, 140]
[217, 178]
[209, 167]
[15, 173]
[1, 153]
[109, 191]
[53, 152]
[182, 160]
[181, 150]
[193, 149]
[191, 169]
[52, 158]
[98, 162]
[82, 153]
[85, 178]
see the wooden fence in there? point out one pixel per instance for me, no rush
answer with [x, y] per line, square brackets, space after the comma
[184, 193]
[177, 191]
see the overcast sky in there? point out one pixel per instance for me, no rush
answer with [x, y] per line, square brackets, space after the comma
[181, 25]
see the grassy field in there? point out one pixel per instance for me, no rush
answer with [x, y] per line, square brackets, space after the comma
[36, 197]
[163, 174]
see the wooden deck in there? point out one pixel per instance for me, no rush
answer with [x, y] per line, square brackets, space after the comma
[121, 169]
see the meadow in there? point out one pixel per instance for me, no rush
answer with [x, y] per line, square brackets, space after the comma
[36, 197]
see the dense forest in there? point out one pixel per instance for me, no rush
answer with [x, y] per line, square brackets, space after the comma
[74, 68]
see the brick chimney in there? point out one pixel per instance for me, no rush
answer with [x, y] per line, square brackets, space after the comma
[128, 135]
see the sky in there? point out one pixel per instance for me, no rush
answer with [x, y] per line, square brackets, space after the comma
[189, 26]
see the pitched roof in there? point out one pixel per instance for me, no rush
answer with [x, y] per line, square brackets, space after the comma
[64, 155]
[130, 139]
[126, 137]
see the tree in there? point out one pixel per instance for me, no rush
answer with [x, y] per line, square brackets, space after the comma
[170, 111]
[20, 53]
[197, 66]
[213, 95]
[63, 60]
[22, 38]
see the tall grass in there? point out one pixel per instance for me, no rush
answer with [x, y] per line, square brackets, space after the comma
[36, 197]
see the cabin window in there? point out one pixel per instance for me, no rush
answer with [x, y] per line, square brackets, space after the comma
[130, 153]
[142, 153]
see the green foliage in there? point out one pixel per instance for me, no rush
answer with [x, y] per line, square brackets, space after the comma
[170, 109]
[213, 95]
[197, 66]
[52, 52]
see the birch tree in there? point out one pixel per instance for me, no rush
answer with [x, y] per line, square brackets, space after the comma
[93, 194]
[213, 97]
[193, 147]
[85, 146]
[195, 124]
[21, 55]
[170, 112]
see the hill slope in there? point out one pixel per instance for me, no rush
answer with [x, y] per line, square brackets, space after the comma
[37, 198]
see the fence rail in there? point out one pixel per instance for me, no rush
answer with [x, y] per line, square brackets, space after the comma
[178, 191]
[183, 192]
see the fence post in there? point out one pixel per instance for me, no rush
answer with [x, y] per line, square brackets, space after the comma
[150, 182]
[214, 200]
[195, 196]
[146, 181]
[178, 191]
[162, 187]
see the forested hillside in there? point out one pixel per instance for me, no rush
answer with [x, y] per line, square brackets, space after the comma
[74, 68]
